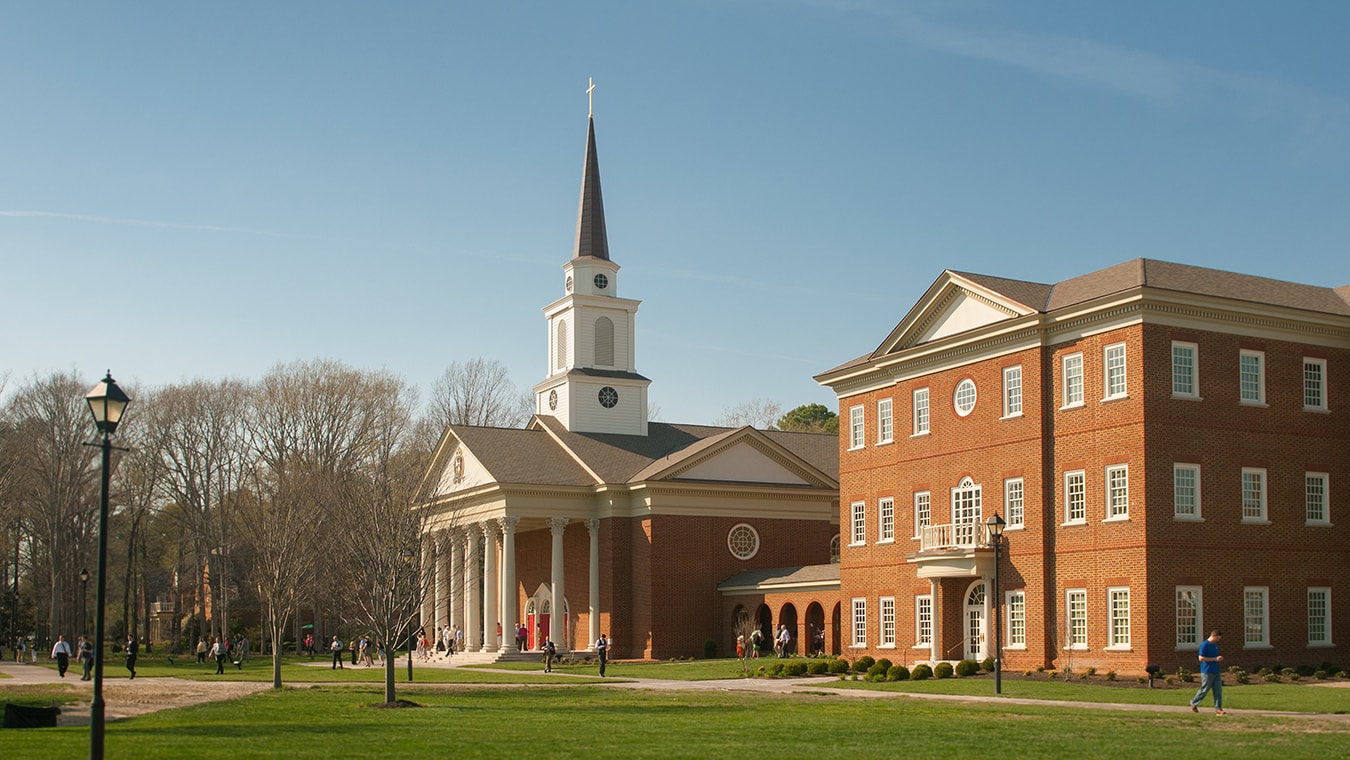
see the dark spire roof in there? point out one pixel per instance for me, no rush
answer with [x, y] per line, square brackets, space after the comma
[591, 238]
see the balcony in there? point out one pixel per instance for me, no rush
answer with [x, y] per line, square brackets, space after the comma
[953, 550]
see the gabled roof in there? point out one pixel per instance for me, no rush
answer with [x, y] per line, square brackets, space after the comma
[526, 457]
[779, 577]
[592, 240]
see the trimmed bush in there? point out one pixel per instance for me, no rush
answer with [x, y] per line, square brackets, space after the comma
[988, 665]
[1091, 671]
[920, 672]
[897, 673]
[863, 663]
[794, 669]
[884, 663]
[876, 673]
[943, 670]
[838, 666]
[1110, 675]
[1241, 675]
[1271, 677]
[819, 668]
[775, 669]
[966, 668]
[1185, 675]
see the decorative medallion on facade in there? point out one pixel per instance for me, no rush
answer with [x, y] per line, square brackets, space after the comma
[743, 541]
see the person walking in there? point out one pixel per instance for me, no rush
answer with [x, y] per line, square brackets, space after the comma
[133, 648]
[61, 653]
[1211, 673]
[602, 649]
[201, 651]
[550, 653]
[86, 657]
[220, 652]
[336, 648]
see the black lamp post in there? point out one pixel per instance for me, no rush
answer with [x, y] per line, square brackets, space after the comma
[107, 402]
[84, 600]
[995, 526]
[408, 556]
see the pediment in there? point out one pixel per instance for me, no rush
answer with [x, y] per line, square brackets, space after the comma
[743, 462]
[743, 455]
[953, 305]
[461, 471]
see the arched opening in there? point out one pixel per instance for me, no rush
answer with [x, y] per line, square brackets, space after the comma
[604, 342]
[787, 619]
[815, 630]
[560, 360]
[764, 626]
[974, 620]
[834, 631]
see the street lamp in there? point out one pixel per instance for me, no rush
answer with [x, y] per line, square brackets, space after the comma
[107, 402]
[408, 556]
[995, 526]
[84, 600]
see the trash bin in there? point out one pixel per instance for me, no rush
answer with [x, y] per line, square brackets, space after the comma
[19, 716]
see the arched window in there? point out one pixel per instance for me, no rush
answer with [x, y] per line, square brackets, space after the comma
[561, 356]
[966, 508]
[604, 342]
[834, 550]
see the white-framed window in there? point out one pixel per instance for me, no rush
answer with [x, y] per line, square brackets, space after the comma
[1013, 503]
[857, 534]
[1012, 391]
[1186, 491]
[1118, 492]
[859, 622]
[834, 550]
[1185, 370]
[1073, 380]
[1319, 616]
[967, 511]
[855, 427]
[923, 512]
[923, 621]
[1016, 605]
[963, 397]
[1190, 617]
[921, 411]
[743, 541]
[1253, 494]
[1252, 377]
[886, 520]
[1314, 384]
[1256, 617]
[1316, 498]
[1118, 618]
[1113, 359]
[885, 422]
[887, 622]
[1075, 497]
[1076, 611]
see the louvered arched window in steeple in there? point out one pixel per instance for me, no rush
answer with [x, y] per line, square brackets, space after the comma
[560, 350]
[604, 342]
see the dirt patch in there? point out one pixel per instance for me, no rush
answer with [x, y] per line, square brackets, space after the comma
[127, 699]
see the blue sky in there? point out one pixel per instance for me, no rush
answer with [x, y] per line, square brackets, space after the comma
[395, 185]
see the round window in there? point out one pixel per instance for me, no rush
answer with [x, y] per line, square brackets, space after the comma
[553, 399]
[601, 282]
[743, 541]
[964, 397]
[608, 397]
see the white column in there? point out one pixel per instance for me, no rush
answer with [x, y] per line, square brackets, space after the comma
[593, 527]
[510, 610]
[555, 618]
[428, 566]
[442, 580]
[936, 642]
[491, 590]
[473, 628]
[456, 578]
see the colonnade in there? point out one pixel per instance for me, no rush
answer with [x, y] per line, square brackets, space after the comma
[458, 596]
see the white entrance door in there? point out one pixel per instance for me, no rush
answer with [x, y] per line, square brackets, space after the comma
[974, 648]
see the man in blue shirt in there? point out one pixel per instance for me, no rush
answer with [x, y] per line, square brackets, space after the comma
[1211, 676]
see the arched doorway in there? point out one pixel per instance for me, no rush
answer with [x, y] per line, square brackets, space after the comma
[787, 616]
[538, 610]
[815, 629]
[974, 617]
[764, 624]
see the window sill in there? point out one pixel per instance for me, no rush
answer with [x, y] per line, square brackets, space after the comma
[1008, 528]
[920, 435]
[1072, 523]
[1188, 518]
[1117, 397]
[1076, 648]
[886, 442]
[1015, 648]
[1118, 648]
[922, 645]
[857, 646]
[885, 541]
[885, 646]
[860, 543]
[1318, 524]
[1317, 409]
[1257, 646]
[1118, 519]
[1186, 397]
[1074, 405]
[1187, 648]
[1321, 645]
[1254, 404]
[1011, 416]
[856, 448]
[1254, 521]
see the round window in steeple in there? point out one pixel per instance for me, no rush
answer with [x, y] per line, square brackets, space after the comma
[609, 397]
[568, 284]
[601, 282]
[553, 400]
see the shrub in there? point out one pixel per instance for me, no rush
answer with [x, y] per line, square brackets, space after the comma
[988, 665]
[966, 668]
[1040, 668]
[794, 669]
[1342, 674]
[1091, 671]
[838, 666]
[710, 650]
[775, 669]
[1240, 675]
[884, 663]
[1028, 673]
[1052, 674]
[943, 670]
[1141, 679]
[1185, 675]
[1288, 672]
[920, 672]
[1294, 676]
[863, 663]
[1271, 677]
[897, 673]
[1170, 680]
[876, 673]
[819, 668]
[1305, 670]
[1320, 675]
[1110, 675]
[1329, 667]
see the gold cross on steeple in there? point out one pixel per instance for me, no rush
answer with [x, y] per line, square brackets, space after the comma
[590, 93]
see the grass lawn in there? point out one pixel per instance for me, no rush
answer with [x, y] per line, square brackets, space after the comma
[689, 670]
[331, 721]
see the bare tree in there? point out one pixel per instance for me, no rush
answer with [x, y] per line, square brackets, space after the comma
[479, 392]
[759, 413]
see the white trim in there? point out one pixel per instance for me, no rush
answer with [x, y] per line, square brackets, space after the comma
[1018, 521]
[1264, 503]
[1110, 503]
[1112, 619]
[857, 525]
[1068, 403]
[858, 618]
[962, 386]
[885, 536]
[1262, 593]
[920, 642]
[1188, 646]
[1008, 412]
[1325, 520]
[885, 641]
[1326, 624]
[1194, 393]
[1107, 369]
[1322, 386]
[922, 423]
[1260, 357]
[857, 428]
[885, 421]
[1197, 515]
[1068, 518]
[928, 519]
[1008, 619]
[1069, 643]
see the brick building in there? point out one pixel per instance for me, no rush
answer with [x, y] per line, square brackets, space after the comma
[593, 519]
[1163, 441]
